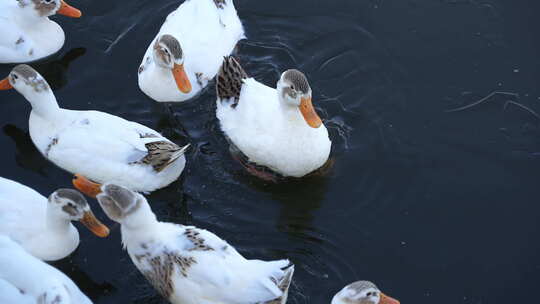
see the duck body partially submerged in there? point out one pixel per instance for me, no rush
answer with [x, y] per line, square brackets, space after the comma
[26, 32]
[101, 146]
[25, 279]
[197, 36]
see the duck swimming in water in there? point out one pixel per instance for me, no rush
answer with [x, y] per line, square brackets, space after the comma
[186, 264]
[102, 146]
[277, 129]
[189, 48]
[26, 32]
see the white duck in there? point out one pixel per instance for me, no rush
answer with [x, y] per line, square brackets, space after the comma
[189, 48]
[27, 33]
[362, 292]
[43, 226]
[101, 146]
[25, 279]
[186, 264]
[275, 128]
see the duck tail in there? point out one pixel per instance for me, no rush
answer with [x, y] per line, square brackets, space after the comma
[285, 282]
[230, 80]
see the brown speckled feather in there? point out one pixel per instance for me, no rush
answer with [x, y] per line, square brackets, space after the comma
[161, 154]
[283, 285]
[230, 80]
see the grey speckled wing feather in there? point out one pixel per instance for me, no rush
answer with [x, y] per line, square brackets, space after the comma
[161, 154]
[230, 80]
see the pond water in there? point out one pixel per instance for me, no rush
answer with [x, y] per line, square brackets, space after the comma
[433, 206]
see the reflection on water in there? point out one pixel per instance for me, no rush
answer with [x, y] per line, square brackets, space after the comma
[27, 157]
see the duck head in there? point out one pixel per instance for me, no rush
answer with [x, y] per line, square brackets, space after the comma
[119, 203]
[362, 292]
[34, 88]
[294, 91]
[71, 205]
[168, 55]
[46, 8]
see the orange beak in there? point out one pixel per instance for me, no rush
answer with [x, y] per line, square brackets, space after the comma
[68, 10]
[307, 110]
[94, 225]
[5, 85]
[387, 300]
[181, 78]
[87, 187]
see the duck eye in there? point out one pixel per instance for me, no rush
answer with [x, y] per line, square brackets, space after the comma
[15, 76]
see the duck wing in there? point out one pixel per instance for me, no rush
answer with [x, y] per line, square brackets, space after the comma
[230, 79]
[216, 271]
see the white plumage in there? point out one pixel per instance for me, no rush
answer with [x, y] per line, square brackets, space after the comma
[25, 279]
[101, 146]
[188, 265]
[269, 130]
[40, 226]
[27, 35]
[207, 30]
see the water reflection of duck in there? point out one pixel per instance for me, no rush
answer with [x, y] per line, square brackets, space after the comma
[25, 279]
[26, 32]
[55, 71]
[28, 156]
[101, 145]
[275, 128]
[186, 264]
[187, 52]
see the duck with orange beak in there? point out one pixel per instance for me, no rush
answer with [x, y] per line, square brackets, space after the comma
[362, 292]
[188, 49]
[186, 264]
[43, 225]
[102, 146]
[275, 129]
[26, 32]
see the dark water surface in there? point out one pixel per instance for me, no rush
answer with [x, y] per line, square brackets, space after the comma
[434, 207]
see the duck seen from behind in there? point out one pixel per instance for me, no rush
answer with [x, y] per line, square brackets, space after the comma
[362, 292]
[185, 264]
[188, 49]
[27, 280]
[43, 226]
[277, 129]
[102, 146]
[26, 32]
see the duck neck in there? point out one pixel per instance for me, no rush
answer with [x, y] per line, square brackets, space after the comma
[138, 225]
[57, 224]
[27, 16]
[44, 104]
[291, 113]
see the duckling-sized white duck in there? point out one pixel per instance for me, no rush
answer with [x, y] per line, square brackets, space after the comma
[189, 48]
[43, 226]
[27, 33]
[362, 292]
[186, 264]
[275, 128]
[101, 146]
[25, 279]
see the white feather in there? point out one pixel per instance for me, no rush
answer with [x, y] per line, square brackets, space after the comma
[206, 33]
[26, 37]
[24, 218]
[271, 134]
[25, 279]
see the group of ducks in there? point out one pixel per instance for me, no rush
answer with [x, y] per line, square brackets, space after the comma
[274, 133]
